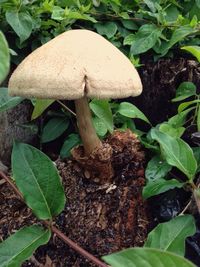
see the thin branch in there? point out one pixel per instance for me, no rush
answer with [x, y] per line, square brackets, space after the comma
[66, 108]
[56, 231]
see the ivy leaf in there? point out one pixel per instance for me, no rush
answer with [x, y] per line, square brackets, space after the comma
[145, 38]
[170, 236]
[177, 153]
[157, 168]
[108, 29]
[38, 180]
[54, 128]
[40, 106]
[185, 90]
[21, 23]
[72, 141]
[156, 187]
[129, 110]
[102, 110]
[143, 257]
[5, 58]
[7, 102]
[21, 245]
[194, 50]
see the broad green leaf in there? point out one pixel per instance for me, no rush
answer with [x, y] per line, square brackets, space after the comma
[108, 29]
[185, 105]
[156, 187]
[157, 168]
[128, 40]
[6, 101]
[198, 119]
[102, 110]
[21, 245]
[129, 110]
[40, 106]
[185, 90]
[194, 50]
[179, 119]
[38, 180]
[170, 236]
[146, 257]
[21, 23]
[178, 35]
[54, 128]
[145, 38]
[177, 153]
[129, 24]
[72, 141]
[170, 130]
[99, 126]
[5, 58]
[196, 151]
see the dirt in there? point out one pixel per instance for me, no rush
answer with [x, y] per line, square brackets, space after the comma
[102, 218]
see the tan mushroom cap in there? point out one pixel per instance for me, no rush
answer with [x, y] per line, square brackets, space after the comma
[74, 64]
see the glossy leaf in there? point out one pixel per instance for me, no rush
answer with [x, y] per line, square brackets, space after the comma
[185, 105]
[146, 257]
[102, 110]
[99, 126]
[108, 29]
[40, 106]
[5, 58]
[185, 90]
[21, 245]
[21, 22]
[170, 130]
[194, 50]
[7, 102]
[145, 38]
[177, 153]
[54, 128]
[72, 141]
[171, 236]
[156, 187]
[157, 168]
[38, 180]
[129, 110]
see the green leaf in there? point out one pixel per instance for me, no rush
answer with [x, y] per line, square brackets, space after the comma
[54, 128]
[129, 110]
[179, 119]
[146, 257]
[145, 38]
[194, 50]
[5, 58]
[170, 130]
[6, 101]
[102, 110]
[198, 118]
[108, 29]
[99, 126]
[157, 168]
[185, 105]
[177, 153]
[72, 141]
[129, 24]
[38, 180]
[198, 3]
[21, 22]
[185, 90]
[156, 187]
[21, 245]
[40, 106]
[170, 236]
[128, 40]
[196, 151]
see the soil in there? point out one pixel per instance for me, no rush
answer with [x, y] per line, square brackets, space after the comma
[102, 218]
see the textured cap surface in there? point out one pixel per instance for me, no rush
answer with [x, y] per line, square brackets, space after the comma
[74, 64]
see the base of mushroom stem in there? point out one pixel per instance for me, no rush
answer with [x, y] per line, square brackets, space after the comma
[118, 150]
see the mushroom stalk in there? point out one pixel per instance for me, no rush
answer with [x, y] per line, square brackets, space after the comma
[86, 129]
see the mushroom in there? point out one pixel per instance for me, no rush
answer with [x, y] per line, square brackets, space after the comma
[77, 65]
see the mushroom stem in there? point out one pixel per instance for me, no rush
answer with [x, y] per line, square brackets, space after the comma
[86, 129]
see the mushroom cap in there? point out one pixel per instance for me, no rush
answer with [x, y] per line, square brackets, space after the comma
[74, 64]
